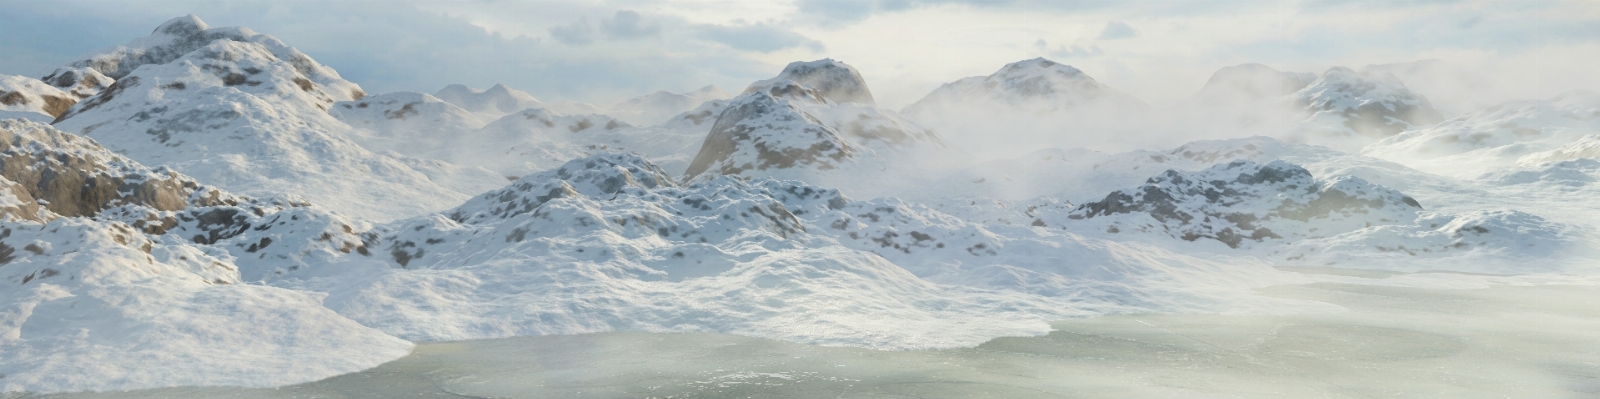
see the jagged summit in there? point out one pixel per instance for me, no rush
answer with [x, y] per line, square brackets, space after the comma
[833, 80]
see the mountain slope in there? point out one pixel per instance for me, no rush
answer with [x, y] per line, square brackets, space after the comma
[124, 277]
[250, 116]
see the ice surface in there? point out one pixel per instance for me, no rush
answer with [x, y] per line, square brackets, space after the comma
[1390, 342]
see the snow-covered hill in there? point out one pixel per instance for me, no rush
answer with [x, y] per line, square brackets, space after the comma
[21, 94]
[786, 129]
[117, 276]
[1346, 110]
[247, 113]
[1243, 202]
[1027, 105]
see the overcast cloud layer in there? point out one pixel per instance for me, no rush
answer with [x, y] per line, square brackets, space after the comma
[604, 51]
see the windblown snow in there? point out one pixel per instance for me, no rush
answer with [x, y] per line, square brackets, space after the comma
[209, 206]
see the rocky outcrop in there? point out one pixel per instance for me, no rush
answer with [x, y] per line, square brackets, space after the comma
[1242, 202]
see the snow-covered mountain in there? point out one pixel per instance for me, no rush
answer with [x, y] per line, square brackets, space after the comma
[659, 107]
[247, 113]
[213, 207]
[1346, 110]
[1532, 132]
[120, 276]
[786, 129]
[1026, 105]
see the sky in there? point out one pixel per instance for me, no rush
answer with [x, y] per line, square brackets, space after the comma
[604, 51]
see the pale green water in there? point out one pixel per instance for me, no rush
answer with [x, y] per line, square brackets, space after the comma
[1506, 341]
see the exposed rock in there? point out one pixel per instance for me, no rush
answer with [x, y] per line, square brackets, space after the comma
[1242, 202]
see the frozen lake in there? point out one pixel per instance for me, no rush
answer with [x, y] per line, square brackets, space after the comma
[1394, 342]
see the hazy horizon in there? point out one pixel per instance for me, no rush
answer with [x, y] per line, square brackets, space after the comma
[606, 51]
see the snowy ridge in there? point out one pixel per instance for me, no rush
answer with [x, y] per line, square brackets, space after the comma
[1243, 202]
[1346, 110]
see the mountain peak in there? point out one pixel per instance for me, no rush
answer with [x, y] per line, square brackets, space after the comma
[835, 80]
[1366, 104]
[182, 26]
